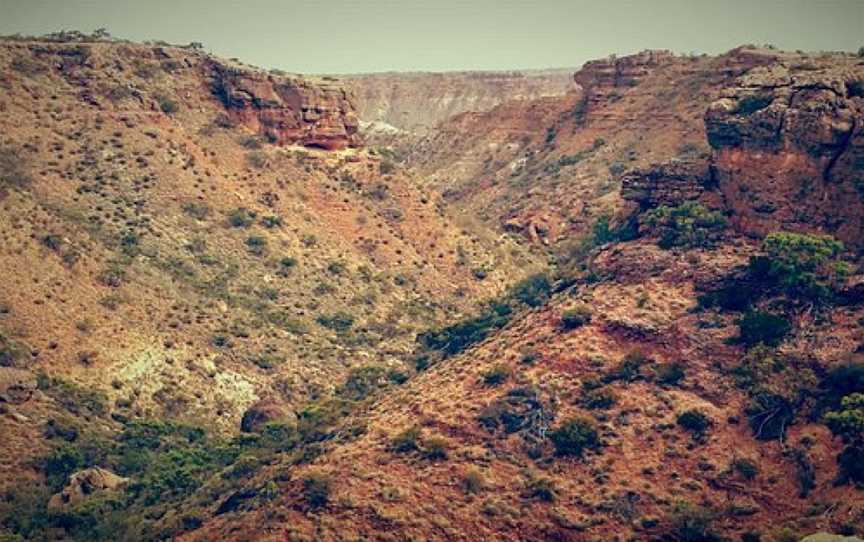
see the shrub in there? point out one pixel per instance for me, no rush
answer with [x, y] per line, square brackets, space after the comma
[687, 225]
[497, 375]
[691, 523]
[316, 489]
[769, 414]
[167, 105]
[576, 317]
[60, 464]
[762, 328]
[271, 221]
[804, 266]
[747, 468]
[694, 421]
[287, 262]
[196, 210]
[435, 448]
[670, 373]
[574, 436]
[256, 159]
[363, 381]
[533, 291]
[256, 245]
[406, 441]
[339, 322]
[542, 489]
[453, 339]
[241, 217]
[473, 481]
[599, 398]
[629, 369]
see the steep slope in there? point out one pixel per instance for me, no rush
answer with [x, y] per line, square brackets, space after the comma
[184, 237]
[412, 104]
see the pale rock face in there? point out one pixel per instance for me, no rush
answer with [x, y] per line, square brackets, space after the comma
[85, 483]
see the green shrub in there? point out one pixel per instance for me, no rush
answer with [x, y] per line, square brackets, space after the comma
[271, 221]
[406, 441]
[339, 322]
[687, 225]
[691, 523]
[598, 398]
[435, 448]
[576, 317]
[769, 414]
[241, 217]
[60, 464]
[694, 421]
[256, 245]
[364, 381]
[542, 489]
[629, 369]
[316, 489]
[473, 481]
[167, 105]
[533, 291]
[747, 468]
[497, 375]
[804, 266]
[196, 210]
[670, 374]
[574, 436]
[256, 159]
[762, 328]
[453, 339]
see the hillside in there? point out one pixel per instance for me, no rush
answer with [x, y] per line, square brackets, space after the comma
[185, 237]
[629, 311]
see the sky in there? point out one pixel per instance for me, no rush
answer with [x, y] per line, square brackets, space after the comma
[358, 36]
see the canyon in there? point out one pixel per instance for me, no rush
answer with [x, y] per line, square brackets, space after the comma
[621, 302]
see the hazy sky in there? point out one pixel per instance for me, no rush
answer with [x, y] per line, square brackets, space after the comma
[340, 36]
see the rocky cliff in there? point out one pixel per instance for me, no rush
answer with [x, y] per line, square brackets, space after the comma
[287, 110]
[789, 146]
[417, 102]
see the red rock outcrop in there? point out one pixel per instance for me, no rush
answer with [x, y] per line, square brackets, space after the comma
[788, 144]
[601, 77]
[287, 110]
[670, 183]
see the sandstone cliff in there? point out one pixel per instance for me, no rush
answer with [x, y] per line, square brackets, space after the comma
[287, 109]
[417, 102]
[789, 146]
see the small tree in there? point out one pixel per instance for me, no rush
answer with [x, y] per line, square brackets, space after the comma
[574, 436]
[804, 266]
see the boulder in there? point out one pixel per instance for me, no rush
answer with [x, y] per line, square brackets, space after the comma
[16, 385]
[85, 483]
[262, 413]
[826, 537]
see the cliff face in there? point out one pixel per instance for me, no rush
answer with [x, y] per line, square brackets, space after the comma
[287, 110]
[601, 78]
[789, 146]
[417, 102]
